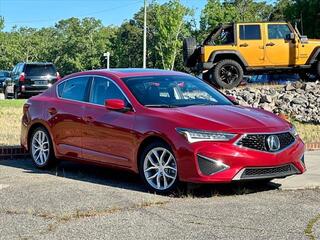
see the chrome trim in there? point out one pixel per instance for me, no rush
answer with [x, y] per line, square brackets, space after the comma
[237, 177]
[271, 133]
[226, 167]
[89, 103]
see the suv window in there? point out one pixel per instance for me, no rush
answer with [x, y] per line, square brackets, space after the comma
[278, 31]
[250, 32]
[103, 89]
[40, 70]
[74, 89]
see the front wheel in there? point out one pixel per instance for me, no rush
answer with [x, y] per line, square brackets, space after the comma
[158, 168]
[41, 148]
[227, 74]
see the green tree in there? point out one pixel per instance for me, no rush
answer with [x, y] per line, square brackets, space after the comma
[170, 24]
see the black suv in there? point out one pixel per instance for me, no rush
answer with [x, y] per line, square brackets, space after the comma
[28, 79]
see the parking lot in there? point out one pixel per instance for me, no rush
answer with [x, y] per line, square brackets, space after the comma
[77, 201]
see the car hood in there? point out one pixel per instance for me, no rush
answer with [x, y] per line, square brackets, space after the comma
[229, 118]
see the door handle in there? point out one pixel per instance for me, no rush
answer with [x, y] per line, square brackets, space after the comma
[52, 111]
[270, 44]
[244, 45]
[88, 119]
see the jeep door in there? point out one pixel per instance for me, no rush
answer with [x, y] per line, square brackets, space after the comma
[280, 51]
[250, 43]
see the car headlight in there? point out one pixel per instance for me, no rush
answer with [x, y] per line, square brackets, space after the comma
[294, 131]
[193, 135]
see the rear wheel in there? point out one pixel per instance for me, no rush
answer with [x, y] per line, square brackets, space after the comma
[226, 74]
[41, 148]
[158, 168]
[16, 94]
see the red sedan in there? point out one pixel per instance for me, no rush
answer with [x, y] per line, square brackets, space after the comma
[167, 126]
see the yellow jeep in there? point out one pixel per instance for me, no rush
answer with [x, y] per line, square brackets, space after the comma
[232, 50]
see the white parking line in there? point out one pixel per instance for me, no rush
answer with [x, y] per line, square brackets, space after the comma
[2, 186]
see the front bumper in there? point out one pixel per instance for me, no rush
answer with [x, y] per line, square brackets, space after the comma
[235, 163]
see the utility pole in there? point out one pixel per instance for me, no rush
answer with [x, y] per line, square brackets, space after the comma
[145, 35]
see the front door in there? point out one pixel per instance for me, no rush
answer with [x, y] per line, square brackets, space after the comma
[279, 50]
[108, 136]
[250, 44]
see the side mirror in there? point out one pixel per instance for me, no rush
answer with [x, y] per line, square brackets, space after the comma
[233, 99]
[290, 36]
[116, 105]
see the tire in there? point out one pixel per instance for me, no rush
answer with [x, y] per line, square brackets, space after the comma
[312, 75]
[189, 51]
[16, 94]
[223, 69]
[6, 96]
[159, 176]
[42, 155]
[308, 76]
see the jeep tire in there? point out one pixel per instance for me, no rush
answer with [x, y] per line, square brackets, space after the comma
[226, 74]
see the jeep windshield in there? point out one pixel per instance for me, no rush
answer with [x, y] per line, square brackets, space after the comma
[173, 91]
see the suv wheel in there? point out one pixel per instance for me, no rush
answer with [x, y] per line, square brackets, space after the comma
[309, 76]
[227, 74]
[158, 168]
[5, 92]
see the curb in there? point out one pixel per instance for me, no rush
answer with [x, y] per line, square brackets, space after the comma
[18, 152]
[312, 146]
[12, 152]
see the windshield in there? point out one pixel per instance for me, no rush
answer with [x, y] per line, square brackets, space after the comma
[40, 70]
[173, 91]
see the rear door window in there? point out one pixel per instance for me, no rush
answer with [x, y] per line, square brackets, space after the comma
[74, 89]
[40, 70]
[250, 32]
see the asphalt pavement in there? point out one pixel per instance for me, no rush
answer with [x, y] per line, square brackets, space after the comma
[75, 201]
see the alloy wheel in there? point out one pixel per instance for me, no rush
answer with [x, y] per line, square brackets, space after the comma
[229, 74]
[160, 168]
[40, 148]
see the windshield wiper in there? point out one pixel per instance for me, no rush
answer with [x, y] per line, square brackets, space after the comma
[160, 106]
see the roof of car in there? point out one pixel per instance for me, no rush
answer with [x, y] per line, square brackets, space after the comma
[132, 72]
[36, 63]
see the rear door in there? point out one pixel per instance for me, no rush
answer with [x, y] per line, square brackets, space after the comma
[108, 135]
[40, 74]
[250, 43]
[66, 116]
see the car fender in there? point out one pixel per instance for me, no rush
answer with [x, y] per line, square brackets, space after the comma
[236, 54]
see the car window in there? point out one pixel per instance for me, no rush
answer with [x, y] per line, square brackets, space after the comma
[20, 68]
[74, 89]
[278, 31]
[173, 91]
[40, 70]
[103, 89]
[4, 74]
[250, 32]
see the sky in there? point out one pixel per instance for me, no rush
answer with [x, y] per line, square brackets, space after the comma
[44, 13]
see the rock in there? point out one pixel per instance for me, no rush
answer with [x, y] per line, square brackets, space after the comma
[289, 87]
[265, 98]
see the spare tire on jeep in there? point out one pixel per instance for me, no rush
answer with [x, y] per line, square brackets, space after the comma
[189, 52]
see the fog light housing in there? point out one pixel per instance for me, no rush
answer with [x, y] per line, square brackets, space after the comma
[209, 166]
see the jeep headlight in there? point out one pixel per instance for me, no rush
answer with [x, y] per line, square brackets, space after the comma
[193, 135]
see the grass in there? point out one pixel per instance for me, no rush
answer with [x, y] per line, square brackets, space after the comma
[10, 122]
[11, 112]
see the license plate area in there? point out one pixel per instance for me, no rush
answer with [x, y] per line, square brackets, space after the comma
[41, 83]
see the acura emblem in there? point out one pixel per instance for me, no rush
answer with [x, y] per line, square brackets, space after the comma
[273, 143]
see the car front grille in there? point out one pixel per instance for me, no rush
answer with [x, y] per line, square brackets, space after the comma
[267, 172]
[259, 141]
